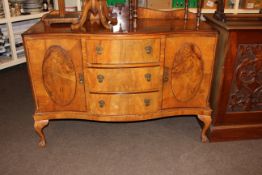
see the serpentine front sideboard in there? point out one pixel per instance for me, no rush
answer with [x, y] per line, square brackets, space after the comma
[158, 68]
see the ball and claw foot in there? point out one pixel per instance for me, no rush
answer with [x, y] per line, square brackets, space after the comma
[39, 126]
[206, 119]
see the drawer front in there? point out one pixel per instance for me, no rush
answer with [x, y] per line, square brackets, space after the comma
[123, 79]
[123, 51]
[124, 104]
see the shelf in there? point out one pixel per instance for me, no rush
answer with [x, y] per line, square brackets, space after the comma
[22, 17]
[8, 62]
[248, 11]
[194, 10]
[27, 17]
[3, 20]
[13, 27]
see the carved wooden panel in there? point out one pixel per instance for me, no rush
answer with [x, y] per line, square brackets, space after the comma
[59, 76]
[188, 70]
[246, 91]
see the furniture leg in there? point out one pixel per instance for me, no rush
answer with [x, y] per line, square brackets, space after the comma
[39, 126]
[206, 119]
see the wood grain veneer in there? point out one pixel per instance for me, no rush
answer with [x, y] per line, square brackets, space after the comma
[158, 69]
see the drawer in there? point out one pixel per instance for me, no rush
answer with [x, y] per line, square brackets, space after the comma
[123, 51]
[124, 104]
[123, 79]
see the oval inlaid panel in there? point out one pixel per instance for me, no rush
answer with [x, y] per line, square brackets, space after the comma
[59, 76]
[187, 72]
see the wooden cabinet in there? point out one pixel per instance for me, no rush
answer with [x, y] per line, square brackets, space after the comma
[237, 89]
[120, 77]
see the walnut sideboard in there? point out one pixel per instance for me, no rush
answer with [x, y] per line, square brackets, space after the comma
[158, 69]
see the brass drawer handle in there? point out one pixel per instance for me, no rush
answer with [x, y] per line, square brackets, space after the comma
[147, 102]
[148, 77]
[100, 78]
[101, 103]
[99, 50]
[148, 49]
[166, 74]
[81, 78]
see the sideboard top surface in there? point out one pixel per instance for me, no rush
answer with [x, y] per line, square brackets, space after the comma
[126, 27]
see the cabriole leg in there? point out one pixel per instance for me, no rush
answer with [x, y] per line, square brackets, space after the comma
[206, 119]
[39, 126]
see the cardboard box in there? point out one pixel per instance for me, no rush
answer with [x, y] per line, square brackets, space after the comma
[159, 4]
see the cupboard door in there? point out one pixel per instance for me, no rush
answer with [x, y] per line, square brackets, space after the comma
[56, 71]
[188, 70]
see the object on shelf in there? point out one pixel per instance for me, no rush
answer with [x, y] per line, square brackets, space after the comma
[181, 3]
[50, 5]
[5, 51]
[219, 13]
[199, 9]
[251, 4]
[114, 2]
[25, 7]
[32, 6]
[45, 5]
[19, 28]
[230, 4]
[15, 7]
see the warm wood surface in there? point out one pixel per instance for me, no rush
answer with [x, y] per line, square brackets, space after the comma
[189, 65]
[125, 27]
[123, 79]
[170, 14]
[160, 68]
[122, 51]
[55, 75]
[124, 104]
